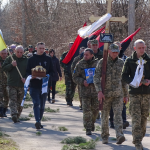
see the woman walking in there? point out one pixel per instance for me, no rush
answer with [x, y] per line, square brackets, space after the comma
[55, 76]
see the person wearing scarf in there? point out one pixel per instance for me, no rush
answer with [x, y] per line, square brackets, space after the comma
[136, 73]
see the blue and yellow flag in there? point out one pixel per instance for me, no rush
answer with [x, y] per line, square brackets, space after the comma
[2, 43]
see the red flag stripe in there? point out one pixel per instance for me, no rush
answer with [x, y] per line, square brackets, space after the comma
[131, 36]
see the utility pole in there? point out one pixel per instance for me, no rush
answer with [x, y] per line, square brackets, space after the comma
[131, 17]
[23, 25]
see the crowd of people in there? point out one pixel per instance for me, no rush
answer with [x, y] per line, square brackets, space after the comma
[126, 79]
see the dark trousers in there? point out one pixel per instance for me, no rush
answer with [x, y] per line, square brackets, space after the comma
[53, 84]
[38, 100]
[123, 114]
[70, 87]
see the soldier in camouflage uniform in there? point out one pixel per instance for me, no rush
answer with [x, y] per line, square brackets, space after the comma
[29, 53]
[15, 83]
[70, 85]
[95, 47]
[140, 96]
[90, 104]
[97, 53]
[3, 84]
[114, 91]
[75, 61]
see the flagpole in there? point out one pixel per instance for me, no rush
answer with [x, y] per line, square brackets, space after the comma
[16, 66]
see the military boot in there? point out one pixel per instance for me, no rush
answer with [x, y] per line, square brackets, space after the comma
[105, 140]
[4, 112]
[14, 118]
[120, 140]
[93, 127]
[18, 120]
[70, 104]
[88, 132]
[139, 146]
[125, 124]
[1, 112]
[112, 125]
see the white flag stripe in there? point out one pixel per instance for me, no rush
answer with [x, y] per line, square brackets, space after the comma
[87, 30]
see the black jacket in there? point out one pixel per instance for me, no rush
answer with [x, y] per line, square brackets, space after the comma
[129, 70]
[39, 60]
[56, 69]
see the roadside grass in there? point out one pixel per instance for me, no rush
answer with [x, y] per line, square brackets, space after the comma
[38, 133]
[51, 110]
[45, 118]
[28, 97]
[79, 143]
[97, 128]
[25, 106]
[24, 118]
[30, 115]
[61, 89]
[62, 129]
[6, 143]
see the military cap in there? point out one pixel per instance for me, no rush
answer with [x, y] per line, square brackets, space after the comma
[30, 46]
[94, 41]
[114, 48]
[46, 49]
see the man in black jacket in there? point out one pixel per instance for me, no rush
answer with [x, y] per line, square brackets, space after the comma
[39, 99]
[135, 67]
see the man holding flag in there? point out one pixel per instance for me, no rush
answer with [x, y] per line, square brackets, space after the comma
[15, 82]
[70, 85]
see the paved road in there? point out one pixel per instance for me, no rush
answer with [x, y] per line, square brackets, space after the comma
[24, 133]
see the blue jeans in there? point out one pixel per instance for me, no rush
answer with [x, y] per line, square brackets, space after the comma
[38, 103]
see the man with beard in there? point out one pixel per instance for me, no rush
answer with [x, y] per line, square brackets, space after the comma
[90, 103]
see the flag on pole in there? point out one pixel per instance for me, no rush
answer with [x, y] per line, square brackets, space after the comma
[80, 42]
[2, 43]
[73, 49]
[86, 31]
[126, 42]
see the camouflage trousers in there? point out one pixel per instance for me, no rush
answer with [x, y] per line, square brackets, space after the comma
[139, 110]
[79, 92]
[16, 95]
[4, 100]
[70, 87]
[117, 106]
[90, 106]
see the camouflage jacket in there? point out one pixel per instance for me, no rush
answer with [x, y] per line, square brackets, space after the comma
[99, 54]
[64, 66]
[79, 77]
[75, 61]
[114, 86]
[28, 54]
[3, 75]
